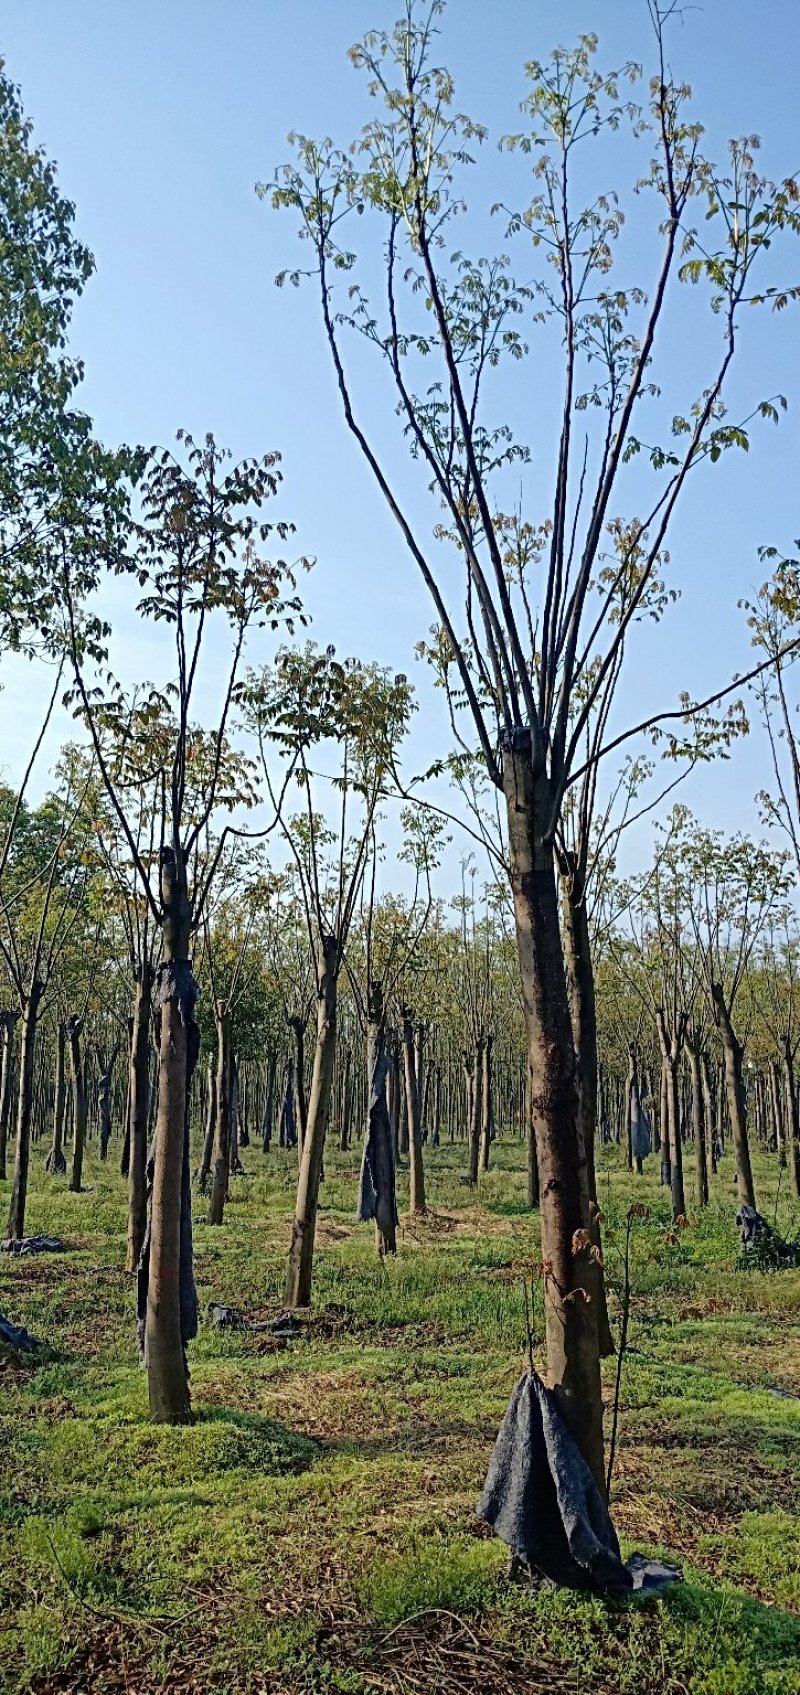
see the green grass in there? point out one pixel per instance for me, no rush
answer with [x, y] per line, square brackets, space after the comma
[313, 1530]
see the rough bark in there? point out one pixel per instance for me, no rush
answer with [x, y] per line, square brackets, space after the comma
[301, 1251]
[573, 1360]
[671, 1042]
[734, 1090]
[19, 1188]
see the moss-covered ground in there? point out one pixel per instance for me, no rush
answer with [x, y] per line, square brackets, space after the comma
[314, 1529]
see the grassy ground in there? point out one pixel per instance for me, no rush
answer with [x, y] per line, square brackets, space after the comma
[314, 1530]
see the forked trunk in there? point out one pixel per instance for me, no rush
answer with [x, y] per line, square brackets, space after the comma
[79, 1102]
[19, 1190]
[734, 1090]
[222, 1142]
[573, 1360]
[55, 1161]
[301, 1251]
[138, 1113]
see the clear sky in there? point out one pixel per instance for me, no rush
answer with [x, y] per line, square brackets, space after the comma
[162, 115]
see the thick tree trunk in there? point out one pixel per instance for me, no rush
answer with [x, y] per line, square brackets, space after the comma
[55, 1161]
[138, 1113]
[79, 1101]
[167, 1371]
[19, 1189]
[416, 1201]
[222, 1094]
[698, 1123]
[301, 1251]
[486, 1099]
[734, 1090]
[573, 1360]
[583, 1017]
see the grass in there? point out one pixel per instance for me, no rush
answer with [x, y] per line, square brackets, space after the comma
[314, 1531]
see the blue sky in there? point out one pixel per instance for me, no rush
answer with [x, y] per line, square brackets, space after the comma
[162, 114]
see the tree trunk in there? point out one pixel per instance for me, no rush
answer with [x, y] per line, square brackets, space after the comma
[776, 1102]
[298, 1029]
[55, 1161]
[792, 1118]
[533, 1189]
[138, 1112]
[344, 1103]
[167, 1371]
[708, 1106]
[79, 1101]
[573, 1360]
[222, 1093]
[416, 1202]
[634, 1111]
[698, 1124]
[671, 1043]
[301, 1251]
[734, 1090]
[9, 1022]
[473, 1073]
[378, 1148]
[583, 1018]
[19, 1190]
[486, 1100]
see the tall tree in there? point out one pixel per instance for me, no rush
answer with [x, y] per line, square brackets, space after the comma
[531, 649]
[195, 553]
